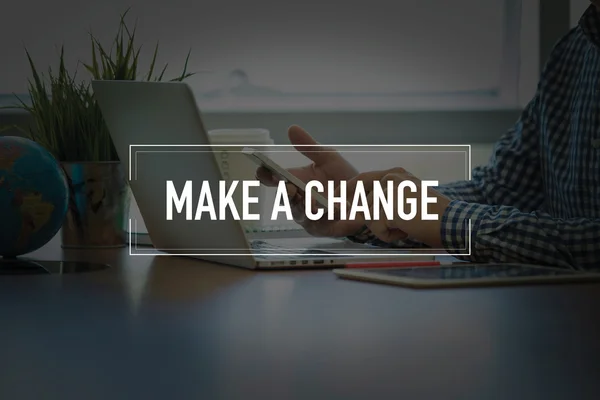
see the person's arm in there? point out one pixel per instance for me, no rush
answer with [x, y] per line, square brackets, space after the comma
[503, 202]
[507, 234]
[511, 177]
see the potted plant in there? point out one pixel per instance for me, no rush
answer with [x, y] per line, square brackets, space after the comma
[68, 122]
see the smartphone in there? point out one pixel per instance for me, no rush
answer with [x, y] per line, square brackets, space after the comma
[263, 160]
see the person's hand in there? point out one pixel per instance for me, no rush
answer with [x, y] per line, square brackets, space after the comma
[395, 228]
[327, 165]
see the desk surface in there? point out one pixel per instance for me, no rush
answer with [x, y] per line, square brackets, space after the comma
[176, 328]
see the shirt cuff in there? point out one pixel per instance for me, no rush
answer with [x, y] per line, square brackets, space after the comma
[456, 228]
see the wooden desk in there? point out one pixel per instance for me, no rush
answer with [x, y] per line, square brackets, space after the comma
[175, 328]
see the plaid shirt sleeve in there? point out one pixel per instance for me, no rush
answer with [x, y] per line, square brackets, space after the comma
[502, 201]
[507, 234]
[509, 178]
[512, 176]
[506, 200]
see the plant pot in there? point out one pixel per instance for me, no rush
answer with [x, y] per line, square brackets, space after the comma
[98, 205]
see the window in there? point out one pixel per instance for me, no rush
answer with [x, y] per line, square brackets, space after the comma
[272, 55]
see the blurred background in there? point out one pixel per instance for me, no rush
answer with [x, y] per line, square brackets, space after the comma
[350, 72]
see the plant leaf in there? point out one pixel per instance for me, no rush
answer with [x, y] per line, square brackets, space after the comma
[151, 71]
[159, 78]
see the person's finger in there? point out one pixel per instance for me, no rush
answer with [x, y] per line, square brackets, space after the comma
[305, 173]
[266, 177]
[336, 212]
[393, 235]
[318, 228]
[388, 181]
[377, 226]
[368, 179]
[299, 206]
[341, 228]
[298, 212]
[407, 192]
[309, 147]
[315, 206]
[292, 191]
[338, 191]
[382, 227]
[349, 196]
[399, 177]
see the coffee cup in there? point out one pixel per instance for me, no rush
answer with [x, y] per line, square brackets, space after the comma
[234, 165]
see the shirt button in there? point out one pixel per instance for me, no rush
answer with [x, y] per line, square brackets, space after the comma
[596, 143]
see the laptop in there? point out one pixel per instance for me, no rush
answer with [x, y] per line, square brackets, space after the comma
[157, 130]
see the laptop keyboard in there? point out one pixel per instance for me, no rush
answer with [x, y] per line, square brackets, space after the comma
[261, 247]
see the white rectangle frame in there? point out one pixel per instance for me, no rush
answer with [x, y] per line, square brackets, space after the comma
[408, 253]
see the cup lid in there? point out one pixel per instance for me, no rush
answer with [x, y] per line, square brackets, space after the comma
[241, 132]
[238, 136]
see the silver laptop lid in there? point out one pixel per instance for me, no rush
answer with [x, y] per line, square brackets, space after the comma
[142, 114]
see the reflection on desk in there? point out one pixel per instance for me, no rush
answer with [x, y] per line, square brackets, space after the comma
[173, 327]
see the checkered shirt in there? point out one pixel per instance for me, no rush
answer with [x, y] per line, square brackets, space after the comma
[538, 199]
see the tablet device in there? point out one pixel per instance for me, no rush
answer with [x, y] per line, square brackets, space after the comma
[263, 160]
[467, 274]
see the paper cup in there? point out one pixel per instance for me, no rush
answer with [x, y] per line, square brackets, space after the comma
[234, 165]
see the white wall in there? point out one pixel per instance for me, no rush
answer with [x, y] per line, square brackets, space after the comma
[286, 54]
[40, 25]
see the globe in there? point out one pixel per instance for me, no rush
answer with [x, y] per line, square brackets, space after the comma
[33, 196]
